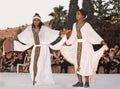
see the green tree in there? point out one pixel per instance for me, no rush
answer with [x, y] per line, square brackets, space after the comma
[73, 7]
[102, 8]
[89, 8]
[58, 20]
[104, 17]
[115, 7]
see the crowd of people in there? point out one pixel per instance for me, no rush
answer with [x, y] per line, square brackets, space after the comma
[9, 61]
[57, 59]
[110, 61]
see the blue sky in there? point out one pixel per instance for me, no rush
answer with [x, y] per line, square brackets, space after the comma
[14, 13]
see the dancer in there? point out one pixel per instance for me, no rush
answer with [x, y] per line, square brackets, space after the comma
[39, 36]
[81, 52]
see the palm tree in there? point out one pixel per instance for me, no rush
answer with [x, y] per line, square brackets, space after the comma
[58, 18]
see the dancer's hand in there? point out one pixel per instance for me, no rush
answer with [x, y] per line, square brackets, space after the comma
[65, 44]
[104, 43]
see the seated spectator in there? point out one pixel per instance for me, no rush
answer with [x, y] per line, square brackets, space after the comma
[1, 60]
[105, 63]
[110, 61]
[8, 61]
[56, 57]
[64, 64]
[116, 48]
[27, 63]
[115, 58]
[19, 59]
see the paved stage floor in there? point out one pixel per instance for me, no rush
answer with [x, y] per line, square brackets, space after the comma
[62, 81]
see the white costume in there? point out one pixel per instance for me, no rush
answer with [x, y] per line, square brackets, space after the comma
[89, 57]
[46, 36]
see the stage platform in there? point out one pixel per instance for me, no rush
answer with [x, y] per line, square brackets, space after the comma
[62, 81]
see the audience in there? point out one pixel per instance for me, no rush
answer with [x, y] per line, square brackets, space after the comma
[109, 62]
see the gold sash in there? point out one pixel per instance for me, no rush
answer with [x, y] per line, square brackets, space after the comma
[79, 46]
[37, 51]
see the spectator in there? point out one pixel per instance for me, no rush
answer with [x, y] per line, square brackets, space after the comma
[27, 63]
[8, 61]
[1, 60]
[19, 59]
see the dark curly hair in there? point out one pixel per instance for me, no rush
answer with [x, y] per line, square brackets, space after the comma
[83, 12]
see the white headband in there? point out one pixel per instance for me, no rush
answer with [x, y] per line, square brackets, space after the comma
[36, 17]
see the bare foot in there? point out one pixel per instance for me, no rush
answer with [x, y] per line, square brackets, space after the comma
[34, 82]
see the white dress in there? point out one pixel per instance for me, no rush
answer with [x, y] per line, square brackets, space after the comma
[46, 36]
[89, 57]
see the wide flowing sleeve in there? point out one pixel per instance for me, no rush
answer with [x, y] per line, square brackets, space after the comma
[25, 40]
[89, 34]
[67, 51]
[59, 44]
[51, 34]
[26, 36]
[20, 47]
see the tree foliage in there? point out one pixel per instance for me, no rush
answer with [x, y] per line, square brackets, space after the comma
[73, 7]
[89, 8]
[105, 18]
[58, 18]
